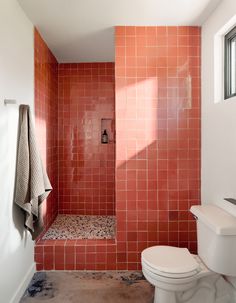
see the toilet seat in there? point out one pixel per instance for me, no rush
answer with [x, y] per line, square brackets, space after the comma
[169, 275]
[170, 262]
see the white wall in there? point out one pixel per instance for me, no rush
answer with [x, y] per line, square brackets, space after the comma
[17, 82]
[218, 120]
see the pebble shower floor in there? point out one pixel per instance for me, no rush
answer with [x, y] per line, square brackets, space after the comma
[81, 227]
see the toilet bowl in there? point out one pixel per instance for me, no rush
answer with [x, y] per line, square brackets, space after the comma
[170, 270]
[179, 276]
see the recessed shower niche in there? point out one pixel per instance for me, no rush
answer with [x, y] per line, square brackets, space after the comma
[107, 130]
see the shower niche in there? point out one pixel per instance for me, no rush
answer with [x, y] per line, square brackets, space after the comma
[107, 131]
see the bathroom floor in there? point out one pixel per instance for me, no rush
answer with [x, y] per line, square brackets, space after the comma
[92, 287]
[81, 227]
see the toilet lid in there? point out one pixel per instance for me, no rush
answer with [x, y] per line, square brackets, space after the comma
[169, 259]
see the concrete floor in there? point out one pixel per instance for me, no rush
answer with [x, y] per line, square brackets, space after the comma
[92, 287]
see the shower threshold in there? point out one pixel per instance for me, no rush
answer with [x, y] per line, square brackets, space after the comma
[81, 227]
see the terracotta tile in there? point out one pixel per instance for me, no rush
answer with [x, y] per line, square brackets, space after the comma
[157, 156]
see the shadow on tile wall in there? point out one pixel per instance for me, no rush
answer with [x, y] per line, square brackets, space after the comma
[46, 119]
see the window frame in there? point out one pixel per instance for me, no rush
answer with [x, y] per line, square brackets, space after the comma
[227, 63]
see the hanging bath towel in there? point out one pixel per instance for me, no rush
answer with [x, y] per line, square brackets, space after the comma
[32, 183]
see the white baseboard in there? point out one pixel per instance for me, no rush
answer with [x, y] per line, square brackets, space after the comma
[23, 285]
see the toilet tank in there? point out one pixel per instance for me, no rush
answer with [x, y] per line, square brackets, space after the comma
[216, 237]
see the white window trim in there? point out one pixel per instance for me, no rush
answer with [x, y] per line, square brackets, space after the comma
[219, 61]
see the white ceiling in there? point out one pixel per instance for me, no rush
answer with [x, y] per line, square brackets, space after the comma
[83, 30]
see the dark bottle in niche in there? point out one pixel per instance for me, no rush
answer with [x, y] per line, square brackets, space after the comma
[104, 137]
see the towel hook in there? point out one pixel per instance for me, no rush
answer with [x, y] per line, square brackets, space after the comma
[9, 101]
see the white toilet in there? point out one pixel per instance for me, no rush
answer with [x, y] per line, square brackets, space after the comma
[179, 276]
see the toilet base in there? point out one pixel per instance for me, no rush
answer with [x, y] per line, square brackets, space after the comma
[211, 289]
[163, 296]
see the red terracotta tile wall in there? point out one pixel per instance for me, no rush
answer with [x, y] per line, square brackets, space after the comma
[157, 151]
[86, 167]
[46, 119]
[76, 255]
[157, 137]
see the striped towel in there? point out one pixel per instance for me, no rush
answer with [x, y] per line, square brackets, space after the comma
[32, 184]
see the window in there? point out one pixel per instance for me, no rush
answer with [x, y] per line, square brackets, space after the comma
[230, 64]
